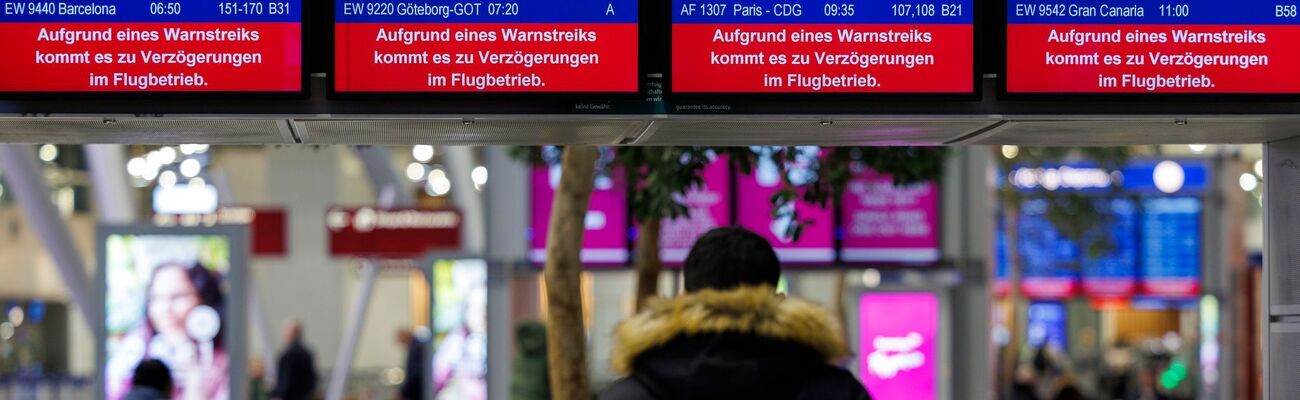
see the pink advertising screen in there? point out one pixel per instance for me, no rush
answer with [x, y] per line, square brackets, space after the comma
[887, 223]
[605, 242]
[898, 333]
[754, 209]
[709, 207]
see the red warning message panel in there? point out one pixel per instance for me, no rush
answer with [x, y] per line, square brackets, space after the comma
[805, 46]
[1150, 46]
[144, 46]
[521, 46]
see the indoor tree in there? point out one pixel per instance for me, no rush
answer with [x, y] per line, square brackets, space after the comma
[566, 338]
[660, 176]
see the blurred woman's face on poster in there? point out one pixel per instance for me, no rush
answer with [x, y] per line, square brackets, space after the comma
[171, 298]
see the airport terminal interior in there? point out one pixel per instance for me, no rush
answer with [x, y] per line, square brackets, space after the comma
[649, 199]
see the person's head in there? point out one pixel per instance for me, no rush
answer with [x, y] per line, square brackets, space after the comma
[176, 290]
[405, 336]
[531, 337]
[728, 258]
[292, 331]
[154, 374]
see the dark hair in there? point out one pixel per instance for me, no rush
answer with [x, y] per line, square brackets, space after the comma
[727, 258]
[153, 373]
[208, 286]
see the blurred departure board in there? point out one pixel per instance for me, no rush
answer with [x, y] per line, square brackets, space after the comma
[1049, 258]
[1171, 246]
[1114, 272]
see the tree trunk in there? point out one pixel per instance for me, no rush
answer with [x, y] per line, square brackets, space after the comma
[841, 285]
[648, 264]
[567, 340]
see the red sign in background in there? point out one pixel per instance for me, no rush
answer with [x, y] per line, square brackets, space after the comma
[392, 233]
[268, 227]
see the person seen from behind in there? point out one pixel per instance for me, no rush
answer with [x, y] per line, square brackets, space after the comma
[296, 377]
[413, 386]
[530, 379]
[152, 380]
[731, 336]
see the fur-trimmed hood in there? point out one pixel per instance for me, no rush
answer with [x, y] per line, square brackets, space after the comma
[751, 311]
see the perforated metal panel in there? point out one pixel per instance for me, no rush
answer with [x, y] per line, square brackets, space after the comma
[1283, 226]
[476, 131]
[1283, 361]
[1086, 131]
[135, 130]
[827, 131]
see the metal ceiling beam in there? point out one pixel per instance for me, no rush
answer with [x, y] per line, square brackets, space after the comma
[391, 193]
[26, 178]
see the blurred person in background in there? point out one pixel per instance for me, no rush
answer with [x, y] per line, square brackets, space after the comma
[1022, 386]
[296, 371]
[1068, 389]
[151, 381]
[413, 386]
[731, 336]
[530, 380]
[257, 379]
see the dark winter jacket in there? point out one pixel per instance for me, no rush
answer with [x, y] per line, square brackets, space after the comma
[413, 387]
[739, 344]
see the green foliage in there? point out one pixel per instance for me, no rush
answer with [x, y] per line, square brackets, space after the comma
[1074, 214]
[830, 171]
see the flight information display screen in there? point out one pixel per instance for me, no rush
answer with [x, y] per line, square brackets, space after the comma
[1171, 246]
[802, 46]
[519, 46]
[1113, 274]
[1049, 259]
[1151, 46]
[151, 46]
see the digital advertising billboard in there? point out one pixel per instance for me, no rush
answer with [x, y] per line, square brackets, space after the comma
[175, 295]
[755, 211]
[708, 207]
[887, 223]
[605, 241]
[899, 345]
[460, 329]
